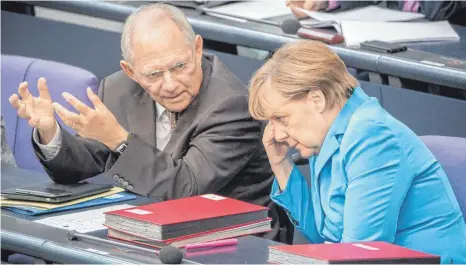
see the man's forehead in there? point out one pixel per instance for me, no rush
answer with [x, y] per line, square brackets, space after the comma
[161, 59]
[161, 44]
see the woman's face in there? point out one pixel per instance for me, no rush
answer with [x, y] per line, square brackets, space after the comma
[300, 122]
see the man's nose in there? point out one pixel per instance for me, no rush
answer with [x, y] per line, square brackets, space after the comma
[168, 82]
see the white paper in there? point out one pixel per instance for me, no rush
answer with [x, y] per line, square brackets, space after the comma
[356, 32]
[368, 13]
[254, 9]
[83, 222]
[213, 197]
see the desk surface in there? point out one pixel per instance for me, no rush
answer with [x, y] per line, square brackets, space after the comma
[20, 234]
[268, 37]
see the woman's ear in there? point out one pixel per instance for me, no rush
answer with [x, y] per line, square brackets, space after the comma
[317, 98]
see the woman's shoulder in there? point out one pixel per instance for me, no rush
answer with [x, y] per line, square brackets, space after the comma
[371, 124]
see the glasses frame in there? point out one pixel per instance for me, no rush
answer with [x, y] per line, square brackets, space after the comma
[156, 75]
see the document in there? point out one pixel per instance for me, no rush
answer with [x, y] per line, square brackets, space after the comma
[48, 206]
[356, 32]
[253, 9]
[83, 222]
[368, 13]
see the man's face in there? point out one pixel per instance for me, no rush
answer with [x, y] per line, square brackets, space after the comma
[168, 68]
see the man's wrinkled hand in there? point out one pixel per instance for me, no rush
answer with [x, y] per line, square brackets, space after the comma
[96, 123]
[38, 111]
[313, 5]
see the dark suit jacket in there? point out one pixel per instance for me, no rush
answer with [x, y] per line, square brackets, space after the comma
[215, 148]
[433, 10]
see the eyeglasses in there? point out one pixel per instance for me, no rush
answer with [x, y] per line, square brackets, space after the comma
[177, 69]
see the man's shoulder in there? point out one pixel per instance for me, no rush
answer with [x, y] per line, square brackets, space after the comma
[223, 84]
[223, 78]
[120, 81]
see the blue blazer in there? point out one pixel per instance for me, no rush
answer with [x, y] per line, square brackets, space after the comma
[375, 180]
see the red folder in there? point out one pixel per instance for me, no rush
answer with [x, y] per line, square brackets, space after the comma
[361, 252]
[224, 233]
[188, 209]
[186, 216]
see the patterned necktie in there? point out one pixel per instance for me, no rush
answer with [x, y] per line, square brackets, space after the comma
[173, 116]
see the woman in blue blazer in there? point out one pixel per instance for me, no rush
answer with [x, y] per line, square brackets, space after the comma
[372, 178]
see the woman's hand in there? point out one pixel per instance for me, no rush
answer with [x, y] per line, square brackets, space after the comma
[277, 153]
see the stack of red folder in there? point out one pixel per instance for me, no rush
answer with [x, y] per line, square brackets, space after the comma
[186, 221]
[348, 253]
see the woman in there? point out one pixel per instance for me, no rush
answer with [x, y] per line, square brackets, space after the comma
[372, 178]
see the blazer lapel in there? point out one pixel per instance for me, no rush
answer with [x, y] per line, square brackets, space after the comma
[331, 143]
[329, 147]
[184, 120]
[142, 117]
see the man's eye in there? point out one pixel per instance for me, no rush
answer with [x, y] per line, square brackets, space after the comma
[154, 74]
[179, 66]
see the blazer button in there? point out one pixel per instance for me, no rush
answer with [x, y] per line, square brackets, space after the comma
[125, 183]
[121, 180]
[116, 177]
[129, 187]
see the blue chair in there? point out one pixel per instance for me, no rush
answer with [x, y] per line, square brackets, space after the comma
[451, 153]
[60, 78]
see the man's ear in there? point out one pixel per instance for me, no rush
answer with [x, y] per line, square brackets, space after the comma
[317, 98]
[199, 47]
[126, 67]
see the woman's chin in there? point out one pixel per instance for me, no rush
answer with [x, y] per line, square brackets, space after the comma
[307, 153]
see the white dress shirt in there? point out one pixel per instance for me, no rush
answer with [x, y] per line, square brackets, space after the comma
[163, 134]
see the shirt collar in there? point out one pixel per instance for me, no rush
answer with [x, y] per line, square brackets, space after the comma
[160, 110]
[341, 122]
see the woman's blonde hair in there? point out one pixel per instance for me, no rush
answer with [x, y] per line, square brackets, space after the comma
[295, 69]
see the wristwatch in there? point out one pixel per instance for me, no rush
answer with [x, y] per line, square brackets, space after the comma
[122, 146]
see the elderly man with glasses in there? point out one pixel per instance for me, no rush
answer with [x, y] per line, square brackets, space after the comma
[174, 123]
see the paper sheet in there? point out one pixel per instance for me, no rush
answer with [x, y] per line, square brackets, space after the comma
[356, 32]
[368, 13]
[254, 9]
[83, 222]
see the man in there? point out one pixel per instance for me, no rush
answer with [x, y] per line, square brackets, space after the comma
[7, 155]
[452, 11]
[173, 123]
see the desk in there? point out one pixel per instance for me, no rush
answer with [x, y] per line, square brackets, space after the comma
[269, 38]
[21, 235]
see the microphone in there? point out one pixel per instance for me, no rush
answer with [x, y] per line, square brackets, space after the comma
[288, 26]
[168, 254]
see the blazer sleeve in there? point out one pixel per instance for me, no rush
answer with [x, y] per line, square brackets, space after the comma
[77, 159]
[440, 10]
[296, 200]
[378, 181]
[346, 5]
[224, 143]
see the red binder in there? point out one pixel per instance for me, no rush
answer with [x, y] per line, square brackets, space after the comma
[223, 233]
[361, 252]
[185, 216]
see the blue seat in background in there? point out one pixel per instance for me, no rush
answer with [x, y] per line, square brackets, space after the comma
[60, 78]
[451, 153]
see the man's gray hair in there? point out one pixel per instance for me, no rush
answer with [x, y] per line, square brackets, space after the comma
[161, 12]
